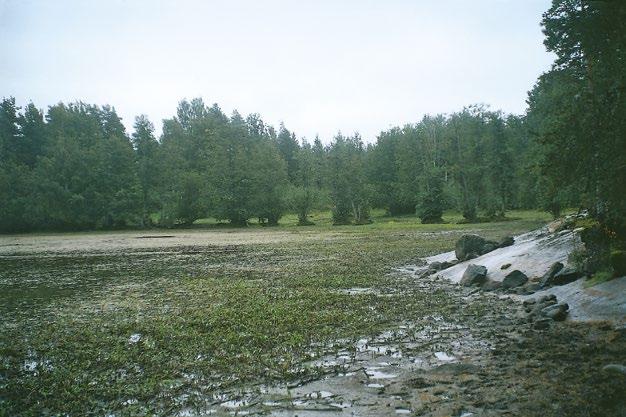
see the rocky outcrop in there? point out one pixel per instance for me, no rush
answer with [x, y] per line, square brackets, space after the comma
[472, 246]
[475, 275]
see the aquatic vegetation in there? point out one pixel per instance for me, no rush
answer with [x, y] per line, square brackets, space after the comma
[160, 329]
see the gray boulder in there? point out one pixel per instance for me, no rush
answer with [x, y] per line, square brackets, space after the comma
[559, 275]
[548, 277]
[556, 312]
[514, 279]
[474, 275]
[471, 246]
[565, 276]
[547, 298]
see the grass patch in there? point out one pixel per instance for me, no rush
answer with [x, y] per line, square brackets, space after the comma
[598, 278]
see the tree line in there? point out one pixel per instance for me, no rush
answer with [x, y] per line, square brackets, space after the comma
[76, 167]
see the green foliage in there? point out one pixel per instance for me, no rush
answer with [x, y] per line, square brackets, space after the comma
[617, 260]
[430, 209]
[598, 278]
[349, 189]
[577, 110]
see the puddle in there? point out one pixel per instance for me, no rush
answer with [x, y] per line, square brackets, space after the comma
[357, 291]
[374, 373]
[235, 404]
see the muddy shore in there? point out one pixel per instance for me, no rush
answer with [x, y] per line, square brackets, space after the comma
[481, 359]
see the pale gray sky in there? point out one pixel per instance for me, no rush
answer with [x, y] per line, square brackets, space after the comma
[319, 66]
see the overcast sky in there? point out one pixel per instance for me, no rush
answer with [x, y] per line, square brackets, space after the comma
[318, 66]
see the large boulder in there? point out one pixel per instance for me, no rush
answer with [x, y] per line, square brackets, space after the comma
[565, 276]
[471, 246]
[474, 275]
[514, 279]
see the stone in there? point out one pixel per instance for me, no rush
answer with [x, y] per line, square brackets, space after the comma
[474, 275]
[489, 247]
[535, 310]
[565, 276]
[547, 297]
[505, 266]
[529, 302]
[556, 312]
[514, 279]
[507, 241]
[469, 245]
[546, 280]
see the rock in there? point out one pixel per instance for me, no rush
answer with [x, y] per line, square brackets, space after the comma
[489, 247]
[529, 302]
[491, 285]
[507, 241]
[514, 279]
[547, 278]
[474, 275]
[565, 276]
[547, 297]
[556, 312]
[536, 309]
[614, 368]
[469, 245]
[505, 266]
